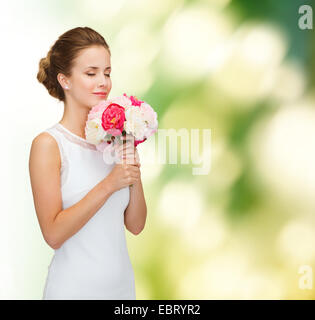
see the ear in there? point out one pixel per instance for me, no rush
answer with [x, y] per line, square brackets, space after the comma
[63, 81]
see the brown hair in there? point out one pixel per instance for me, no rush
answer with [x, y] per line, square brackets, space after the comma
[62, 54]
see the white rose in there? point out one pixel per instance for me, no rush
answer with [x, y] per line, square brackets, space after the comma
[135, 122]
[94, 131]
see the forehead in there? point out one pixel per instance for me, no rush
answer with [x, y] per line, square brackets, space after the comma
[93, 56]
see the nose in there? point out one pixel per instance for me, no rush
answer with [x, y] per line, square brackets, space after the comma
[103, 81]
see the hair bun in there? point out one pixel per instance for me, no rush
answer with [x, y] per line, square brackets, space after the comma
[44, 64]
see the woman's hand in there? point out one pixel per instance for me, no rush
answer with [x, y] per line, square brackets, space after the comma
[123, 175]
[128, 153]
[129, 161]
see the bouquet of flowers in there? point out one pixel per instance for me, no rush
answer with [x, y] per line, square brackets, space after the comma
[120, 116]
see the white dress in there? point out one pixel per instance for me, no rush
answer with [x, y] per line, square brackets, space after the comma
[93, 263]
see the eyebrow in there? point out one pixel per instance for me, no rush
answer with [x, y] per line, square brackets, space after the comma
[96, 67]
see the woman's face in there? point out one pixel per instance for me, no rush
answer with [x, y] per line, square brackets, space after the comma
[90, 74]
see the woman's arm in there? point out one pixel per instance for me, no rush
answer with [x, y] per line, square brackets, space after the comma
[58, 225]
[136, 212]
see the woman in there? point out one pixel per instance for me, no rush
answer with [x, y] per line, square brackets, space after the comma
[82, 203]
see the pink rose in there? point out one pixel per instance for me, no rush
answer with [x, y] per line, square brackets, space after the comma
[139, 141]
[134, 100]
[98, 109]
[113, 119]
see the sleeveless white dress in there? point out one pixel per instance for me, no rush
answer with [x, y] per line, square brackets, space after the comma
[94, 263]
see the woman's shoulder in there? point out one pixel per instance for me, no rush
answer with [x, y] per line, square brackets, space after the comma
[44, 148]
[48, 138]
[45, 140]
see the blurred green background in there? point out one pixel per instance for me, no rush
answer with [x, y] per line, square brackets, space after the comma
[241, 68]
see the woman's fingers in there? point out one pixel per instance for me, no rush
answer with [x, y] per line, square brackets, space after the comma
[131, 159]
[128, 153]
[125, 146]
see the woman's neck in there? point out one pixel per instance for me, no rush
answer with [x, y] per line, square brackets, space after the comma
[74, 119]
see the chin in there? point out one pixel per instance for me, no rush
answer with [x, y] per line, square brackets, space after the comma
[100, 98]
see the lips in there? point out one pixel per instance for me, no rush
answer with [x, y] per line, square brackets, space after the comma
[100, 93]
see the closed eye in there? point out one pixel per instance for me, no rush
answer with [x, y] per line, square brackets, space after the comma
[93, 74]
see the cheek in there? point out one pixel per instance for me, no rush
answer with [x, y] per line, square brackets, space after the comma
[83, 88]
[87, 83]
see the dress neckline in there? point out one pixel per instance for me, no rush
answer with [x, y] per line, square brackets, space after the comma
[75, 138]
